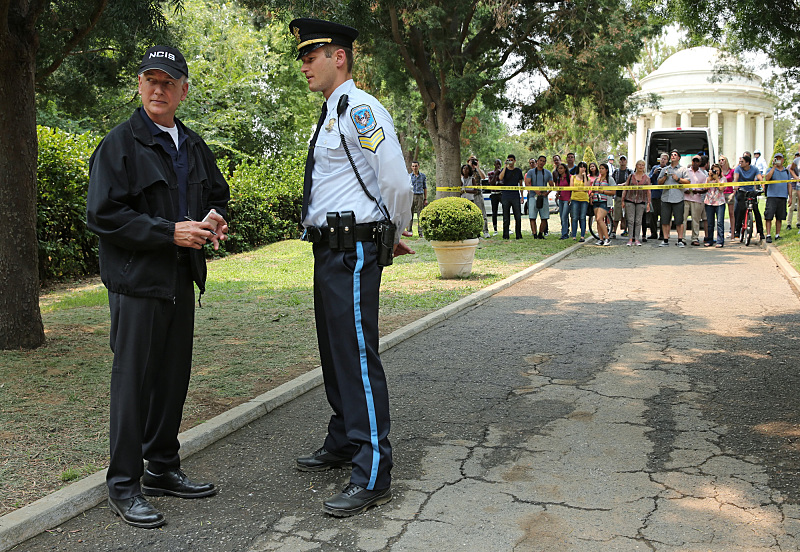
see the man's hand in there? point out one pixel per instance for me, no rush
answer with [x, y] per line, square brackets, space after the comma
[196, 234]
[402, 249]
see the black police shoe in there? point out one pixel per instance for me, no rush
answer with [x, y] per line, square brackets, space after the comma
[137, 511]
[321, 460]
[354, 500]
[175, 483]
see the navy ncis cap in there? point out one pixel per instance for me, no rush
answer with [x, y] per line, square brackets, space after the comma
[315, 33]
[166, 59]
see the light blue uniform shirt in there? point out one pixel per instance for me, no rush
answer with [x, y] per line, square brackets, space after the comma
[369, 131]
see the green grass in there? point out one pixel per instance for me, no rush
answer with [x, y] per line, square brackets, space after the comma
[254, 332]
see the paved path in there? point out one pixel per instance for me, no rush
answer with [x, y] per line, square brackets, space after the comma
[625, 399]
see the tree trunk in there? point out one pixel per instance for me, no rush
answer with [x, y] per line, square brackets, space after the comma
[20, 318]
[445, 133]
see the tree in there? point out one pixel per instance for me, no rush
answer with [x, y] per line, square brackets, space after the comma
[457, 51]
[588, 155]
[36, 36]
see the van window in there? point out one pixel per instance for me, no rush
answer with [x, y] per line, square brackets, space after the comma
[687, 142]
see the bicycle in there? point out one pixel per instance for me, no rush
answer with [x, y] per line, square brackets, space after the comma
[746, 232]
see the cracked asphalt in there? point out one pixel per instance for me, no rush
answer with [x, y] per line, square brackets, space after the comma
[624, 399]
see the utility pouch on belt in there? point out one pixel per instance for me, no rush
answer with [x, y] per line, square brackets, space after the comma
[385, 231]
[342, 231]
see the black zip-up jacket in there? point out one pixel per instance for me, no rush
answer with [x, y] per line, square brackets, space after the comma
[132, 206]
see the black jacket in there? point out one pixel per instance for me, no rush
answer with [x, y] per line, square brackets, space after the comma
[132, 206]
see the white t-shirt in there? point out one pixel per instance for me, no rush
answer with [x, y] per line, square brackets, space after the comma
[173, 131]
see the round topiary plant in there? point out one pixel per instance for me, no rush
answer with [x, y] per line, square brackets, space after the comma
[451, 219]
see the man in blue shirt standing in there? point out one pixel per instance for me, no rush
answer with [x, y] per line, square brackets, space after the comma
[420, 187]
[537, 201]
[777, 196]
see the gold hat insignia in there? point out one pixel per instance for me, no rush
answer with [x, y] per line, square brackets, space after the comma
[296, 33]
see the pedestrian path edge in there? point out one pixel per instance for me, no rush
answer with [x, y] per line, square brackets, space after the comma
[56, 508]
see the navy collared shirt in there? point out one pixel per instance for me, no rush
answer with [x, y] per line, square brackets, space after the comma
[179, 156]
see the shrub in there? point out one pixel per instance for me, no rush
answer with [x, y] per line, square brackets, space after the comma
[451, 219]
[67, 249]
[266, 200]
[588, 156]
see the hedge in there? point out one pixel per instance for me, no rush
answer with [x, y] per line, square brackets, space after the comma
[266, 199]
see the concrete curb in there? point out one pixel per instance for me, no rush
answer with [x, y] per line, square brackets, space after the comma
[784, 266]
[64, 504]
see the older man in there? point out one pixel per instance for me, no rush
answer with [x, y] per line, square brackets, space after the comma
[150, 180]
[694, 198]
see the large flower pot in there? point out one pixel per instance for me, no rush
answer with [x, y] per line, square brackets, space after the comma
[455, 257]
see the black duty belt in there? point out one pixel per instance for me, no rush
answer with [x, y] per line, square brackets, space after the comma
[364, 232]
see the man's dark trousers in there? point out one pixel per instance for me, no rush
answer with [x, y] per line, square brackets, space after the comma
[346, 292]
[511, 203]
[152, 344]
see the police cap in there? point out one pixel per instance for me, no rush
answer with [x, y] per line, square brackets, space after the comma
[315, 33]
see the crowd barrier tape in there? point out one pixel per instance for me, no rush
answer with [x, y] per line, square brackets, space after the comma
[607, 187]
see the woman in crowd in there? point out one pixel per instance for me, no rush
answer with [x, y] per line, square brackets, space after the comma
[600, 201]
[715, 201]
[579, 202]
[727, 176]
[561, 178]
[593, 171]
[494, 196]
[636, 202]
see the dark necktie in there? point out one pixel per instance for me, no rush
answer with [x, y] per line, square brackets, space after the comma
[310, 163]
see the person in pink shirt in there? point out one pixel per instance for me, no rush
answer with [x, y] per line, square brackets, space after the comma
[694, 198]
[730, 197]
[715, 206]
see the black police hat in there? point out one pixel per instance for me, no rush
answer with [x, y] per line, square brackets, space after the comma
[166, 59]
[315, 33]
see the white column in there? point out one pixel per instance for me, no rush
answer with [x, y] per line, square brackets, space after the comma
[641, 137]
[658, 119]
[770, 140]
[729, 137]
[686, 118]
[760, 143]
[713, 124]
[631, 143]
[741, 134]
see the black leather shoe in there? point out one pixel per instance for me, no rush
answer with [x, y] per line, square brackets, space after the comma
[354, 500]
[175, 483]
[321, 460]
[137, 511]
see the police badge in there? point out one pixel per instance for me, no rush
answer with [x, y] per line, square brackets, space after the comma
[363, 119]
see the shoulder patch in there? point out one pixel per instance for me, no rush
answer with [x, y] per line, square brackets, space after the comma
[363, 118]
[372, 142]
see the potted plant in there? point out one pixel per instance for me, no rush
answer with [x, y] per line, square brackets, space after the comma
[452, 224]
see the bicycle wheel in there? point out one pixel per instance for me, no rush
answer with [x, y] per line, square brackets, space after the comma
[592, 230]
[749, 228]
[743, 229]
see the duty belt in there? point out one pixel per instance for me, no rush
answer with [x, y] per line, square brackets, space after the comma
[364, 233]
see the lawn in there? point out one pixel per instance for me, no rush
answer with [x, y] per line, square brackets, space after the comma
[254, 332]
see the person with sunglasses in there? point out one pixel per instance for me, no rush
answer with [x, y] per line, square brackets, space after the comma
[777, 196]
[714, 201]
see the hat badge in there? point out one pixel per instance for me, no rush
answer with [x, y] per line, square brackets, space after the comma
[296, 33]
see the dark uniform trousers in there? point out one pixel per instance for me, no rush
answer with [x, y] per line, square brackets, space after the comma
[152, 344]
[346, 291]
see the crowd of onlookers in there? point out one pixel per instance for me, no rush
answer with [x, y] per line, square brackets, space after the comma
[720, 193]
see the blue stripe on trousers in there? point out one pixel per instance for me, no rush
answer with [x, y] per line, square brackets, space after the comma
[362, 353]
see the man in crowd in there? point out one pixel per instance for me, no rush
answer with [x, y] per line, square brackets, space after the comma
[572, 168]
[347, 215]
[419, 186]
[672, 198]
[777, 195]
[746, 172]
[556, 162]
[759, 162]
[538, 205]
[655, 199]
[620, 177]
[694, 198]
[794, 195]
[478, 176]
[610, 162]
[150, 180]
[511, 176]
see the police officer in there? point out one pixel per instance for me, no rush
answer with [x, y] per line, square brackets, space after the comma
[151, 180]
[355, 183]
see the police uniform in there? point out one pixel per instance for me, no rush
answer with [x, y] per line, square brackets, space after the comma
[347, 282]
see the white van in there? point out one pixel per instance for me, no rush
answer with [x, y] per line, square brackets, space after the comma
[688, 141]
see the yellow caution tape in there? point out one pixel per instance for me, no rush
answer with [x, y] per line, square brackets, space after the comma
[606, 187]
